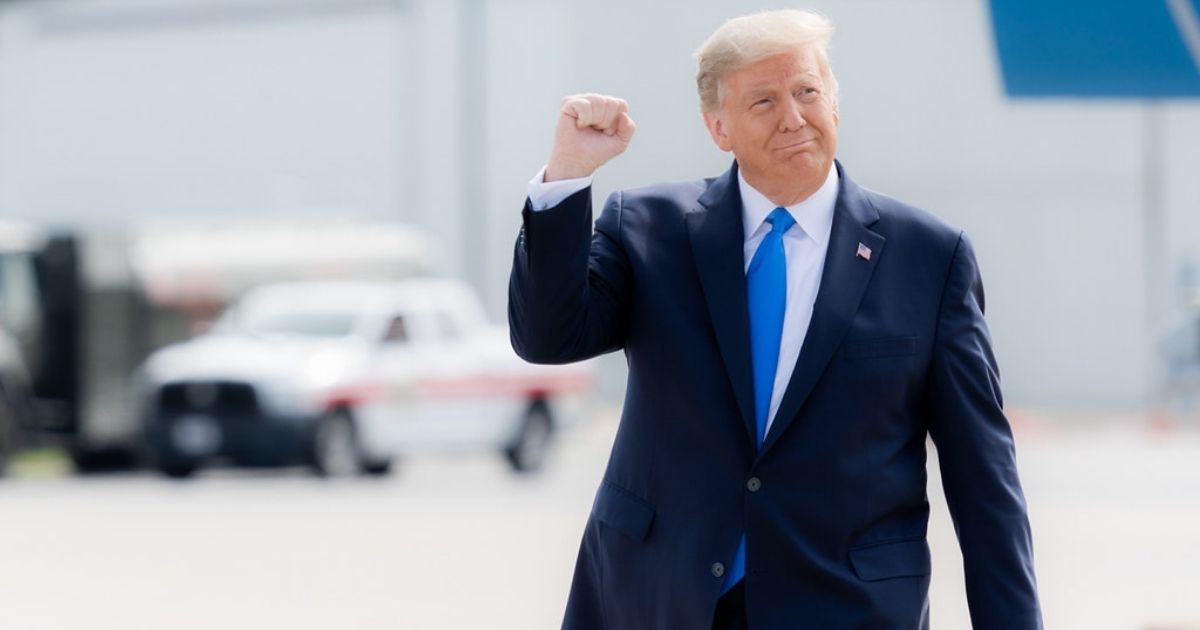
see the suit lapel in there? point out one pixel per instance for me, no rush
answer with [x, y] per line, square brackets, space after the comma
[843, 283]
[717, 238]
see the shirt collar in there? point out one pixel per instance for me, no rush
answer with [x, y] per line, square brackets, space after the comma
[814, 215]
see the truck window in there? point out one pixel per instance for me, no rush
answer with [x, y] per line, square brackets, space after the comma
[396, 331]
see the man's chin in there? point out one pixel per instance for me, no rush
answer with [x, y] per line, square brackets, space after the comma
[807, 163]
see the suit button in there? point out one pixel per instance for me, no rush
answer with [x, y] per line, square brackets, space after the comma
[718, 569]
[753, 484]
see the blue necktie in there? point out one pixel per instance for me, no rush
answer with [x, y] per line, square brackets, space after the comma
[766, 298]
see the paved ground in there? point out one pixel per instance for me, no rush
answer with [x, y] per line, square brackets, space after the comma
[461, 543]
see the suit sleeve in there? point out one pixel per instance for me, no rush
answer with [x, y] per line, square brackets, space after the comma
[978, 462]
[568, 293]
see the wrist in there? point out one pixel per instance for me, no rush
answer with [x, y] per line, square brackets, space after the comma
[557, 170]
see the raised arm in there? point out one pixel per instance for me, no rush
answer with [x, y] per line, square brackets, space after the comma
[568, 292]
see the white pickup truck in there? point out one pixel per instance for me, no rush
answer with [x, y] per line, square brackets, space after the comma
[344, 376]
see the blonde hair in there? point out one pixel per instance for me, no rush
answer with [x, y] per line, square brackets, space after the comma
[746, 39]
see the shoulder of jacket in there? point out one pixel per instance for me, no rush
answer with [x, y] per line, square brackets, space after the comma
[683, 195]
[911, 222]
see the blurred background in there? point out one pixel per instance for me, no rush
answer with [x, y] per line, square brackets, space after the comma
[253, 270]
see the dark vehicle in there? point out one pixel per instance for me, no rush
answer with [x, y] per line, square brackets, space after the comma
[14, 397]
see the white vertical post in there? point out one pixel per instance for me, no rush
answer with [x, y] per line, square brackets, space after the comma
[1155, 252]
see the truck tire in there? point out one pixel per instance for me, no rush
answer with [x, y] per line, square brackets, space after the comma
[14, 418]
[8, 433]
[527, 452]
[177, 469]
[167, 461]
[335, 451]
[88, 460]
[378, 468]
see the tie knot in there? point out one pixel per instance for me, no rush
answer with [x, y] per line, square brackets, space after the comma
[781, 220]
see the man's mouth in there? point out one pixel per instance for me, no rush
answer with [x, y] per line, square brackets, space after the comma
[795, 145]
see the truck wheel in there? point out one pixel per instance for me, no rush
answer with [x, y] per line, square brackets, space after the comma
[335, 446]
[14, 422]
[527, 453]
[379, 468]
[89, 460]
[8, 433]
[177, 469]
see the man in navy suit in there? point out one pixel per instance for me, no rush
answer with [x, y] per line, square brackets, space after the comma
[792, 338]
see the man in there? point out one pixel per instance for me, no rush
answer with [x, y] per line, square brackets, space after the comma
[791, 339]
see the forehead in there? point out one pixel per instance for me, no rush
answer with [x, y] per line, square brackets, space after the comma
[801, 63]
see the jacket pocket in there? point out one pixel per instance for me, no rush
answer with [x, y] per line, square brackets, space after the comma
[872, 348]
[904, 558]
[623, 510]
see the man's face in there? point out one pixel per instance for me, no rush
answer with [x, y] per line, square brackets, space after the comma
[778, 117]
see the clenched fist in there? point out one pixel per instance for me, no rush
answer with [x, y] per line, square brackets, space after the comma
[592, 129]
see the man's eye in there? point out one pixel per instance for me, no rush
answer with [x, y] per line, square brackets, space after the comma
[808, 95]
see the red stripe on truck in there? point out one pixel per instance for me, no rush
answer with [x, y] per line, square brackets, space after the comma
[503, 386]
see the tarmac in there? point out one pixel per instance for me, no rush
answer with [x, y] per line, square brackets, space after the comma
[461, 542]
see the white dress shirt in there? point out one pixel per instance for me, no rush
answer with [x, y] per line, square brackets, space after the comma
[804, 246]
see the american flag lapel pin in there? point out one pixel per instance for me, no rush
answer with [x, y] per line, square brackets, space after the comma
[863, 252]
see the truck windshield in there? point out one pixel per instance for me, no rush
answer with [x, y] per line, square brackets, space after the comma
[296, 324]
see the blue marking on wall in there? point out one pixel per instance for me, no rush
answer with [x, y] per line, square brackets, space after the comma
[1098, 48]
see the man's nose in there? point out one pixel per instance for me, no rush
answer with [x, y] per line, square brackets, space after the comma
[793, 117]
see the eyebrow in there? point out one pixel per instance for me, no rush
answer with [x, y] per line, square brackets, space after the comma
[803, 77]
[757, 93]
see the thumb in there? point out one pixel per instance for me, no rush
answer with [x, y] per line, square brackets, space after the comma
[625, 127]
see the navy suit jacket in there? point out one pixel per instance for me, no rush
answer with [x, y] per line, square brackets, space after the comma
[835, 519]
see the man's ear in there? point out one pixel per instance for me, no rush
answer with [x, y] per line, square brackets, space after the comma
[716, 129]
